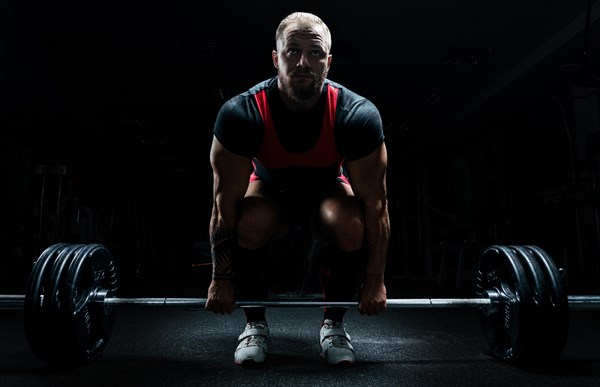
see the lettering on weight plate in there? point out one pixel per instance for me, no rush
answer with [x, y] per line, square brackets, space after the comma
[99, 275]
[87, 319]
[507, 315]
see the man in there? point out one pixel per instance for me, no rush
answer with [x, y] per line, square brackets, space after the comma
[299, 150]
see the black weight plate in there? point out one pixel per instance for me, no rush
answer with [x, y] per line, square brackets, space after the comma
[505, 328]
[534, 351]
[57, 307]
[92, 270]
[36, 320]
[60, 269]
[554, 328]
[535, 274]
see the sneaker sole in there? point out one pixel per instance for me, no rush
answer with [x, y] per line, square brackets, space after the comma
[339, 363]
[250, 363]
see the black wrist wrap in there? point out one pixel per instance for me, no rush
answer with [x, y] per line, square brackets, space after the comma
[222, 242]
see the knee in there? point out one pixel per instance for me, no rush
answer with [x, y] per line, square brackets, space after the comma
[343, 221]
[257, 222]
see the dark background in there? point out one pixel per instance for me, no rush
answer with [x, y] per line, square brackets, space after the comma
[490, 110]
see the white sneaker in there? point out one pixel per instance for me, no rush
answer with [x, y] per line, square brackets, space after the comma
[335, 343]
[253, 345]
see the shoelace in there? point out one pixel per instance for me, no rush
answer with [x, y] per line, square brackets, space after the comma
[252, 341]
[338, 341]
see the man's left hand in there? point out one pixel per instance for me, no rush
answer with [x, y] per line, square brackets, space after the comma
[373, 298]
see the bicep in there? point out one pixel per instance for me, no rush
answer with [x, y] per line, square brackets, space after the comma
[231, 173]
[368, 175]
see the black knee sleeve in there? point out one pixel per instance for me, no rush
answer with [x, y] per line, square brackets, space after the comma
[340, 277]
[340, 273]
[251, 278]
[251, 273]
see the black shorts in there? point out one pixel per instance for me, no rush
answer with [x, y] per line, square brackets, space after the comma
[300, 204]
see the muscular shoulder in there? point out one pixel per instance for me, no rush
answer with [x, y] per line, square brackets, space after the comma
[359, 127]
[238, 125]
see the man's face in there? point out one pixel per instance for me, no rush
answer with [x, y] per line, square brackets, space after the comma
[302, 60]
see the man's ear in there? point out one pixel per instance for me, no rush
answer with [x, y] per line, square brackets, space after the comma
[329, 58]
[275, 59]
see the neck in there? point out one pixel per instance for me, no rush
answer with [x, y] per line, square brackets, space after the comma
[295, 105]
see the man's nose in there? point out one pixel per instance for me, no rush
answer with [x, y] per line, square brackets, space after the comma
[303, 61]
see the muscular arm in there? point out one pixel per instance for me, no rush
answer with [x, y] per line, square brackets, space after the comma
[230, 180]
[231, 174]
[368, 179]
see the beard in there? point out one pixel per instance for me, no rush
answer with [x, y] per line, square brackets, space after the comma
[302, 91]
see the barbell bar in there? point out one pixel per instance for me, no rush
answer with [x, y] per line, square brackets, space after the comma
[72, 289]
[580, 302]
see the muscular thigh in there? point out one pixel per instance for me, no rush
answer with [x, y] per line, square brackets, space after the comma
[262, 209]
[312, 208]
[338, 208]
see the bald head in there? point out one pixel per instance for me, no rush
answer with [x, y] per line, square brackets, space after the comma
[302, 21]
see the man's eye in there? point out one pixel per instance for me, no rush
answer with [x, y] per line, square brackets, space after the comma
[292, 51]
[316, 53]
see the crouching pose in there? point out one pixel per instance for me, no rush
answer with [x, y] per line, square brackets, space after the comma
[299, 150]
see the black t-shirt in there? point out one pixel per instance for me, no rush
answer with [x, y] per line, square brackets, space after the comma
[358, 129]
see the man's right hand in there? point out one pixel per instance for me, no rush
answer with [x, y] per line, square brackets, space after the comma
[221, 297]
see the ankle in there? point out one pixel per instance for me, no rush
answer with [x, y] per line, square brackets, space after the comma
[334, 314]
[255, 314]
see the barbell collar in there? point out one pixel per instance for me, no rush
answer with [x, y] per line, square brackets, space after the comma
[10, 301]
[583, 302]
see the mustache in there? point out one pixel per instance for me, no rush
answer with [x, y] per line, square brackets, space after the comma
[304, 72]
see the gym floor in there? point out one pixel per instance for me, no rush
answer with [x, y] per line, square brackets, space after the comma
[153, 346]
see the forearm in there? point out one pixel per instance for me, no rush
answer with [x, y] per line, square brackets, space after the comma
[222, 242]
[377, 234]
[223, 230]
[220, 296]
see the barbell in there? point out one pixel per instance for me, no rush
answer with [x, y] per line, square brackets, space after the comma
[72, 290]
